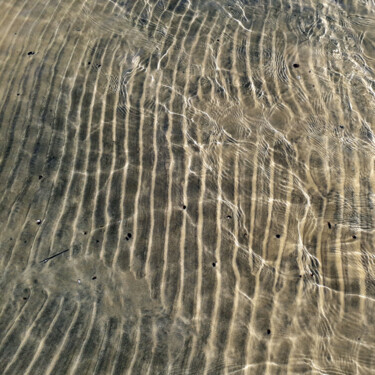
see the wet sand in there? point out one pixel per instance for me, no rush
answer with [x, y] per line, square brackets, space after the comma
[187, 187]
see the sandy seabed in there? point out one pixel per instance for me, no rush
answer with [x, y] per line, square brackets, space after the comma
[187, 187]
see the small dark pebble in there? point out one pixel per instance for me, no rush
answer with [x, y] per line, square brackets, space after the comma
[25, 298]
[89, 63]
[277, 235]
[97, 241]
[85, 233]
[329, 225]
[25, 241]
[311, 274]
[31, 53]
[300, 275]
[127, 239]
[184, 207]
[11, 238]
[268, 331]
[129, 235]
[354, 236]
[40, 177]
[295, 65]
[342, 126]
[98, 66]
[94, 278]
[18, 94]
[214, 264]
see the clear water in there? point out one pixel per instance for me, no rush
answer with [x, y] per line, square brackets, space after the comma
[187, 187]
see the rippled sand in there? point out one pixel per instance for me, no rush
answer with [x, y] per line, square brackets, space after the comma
[187, 187]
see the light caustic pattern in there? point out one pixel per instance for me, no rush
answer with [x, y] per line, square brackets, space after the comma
[187, 187]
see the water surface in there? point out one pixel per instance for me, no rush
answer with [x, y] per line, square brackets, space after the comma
[187, 187]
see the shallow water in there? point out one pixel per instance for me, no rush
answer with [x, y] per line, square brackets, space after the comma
[187, 187]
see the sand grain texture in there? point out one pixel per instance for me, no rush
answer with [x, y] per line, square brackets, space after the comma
[209, 168]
